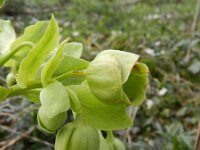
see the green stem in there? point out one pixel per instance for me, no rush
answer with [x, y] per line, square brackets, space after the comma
[16, 90]
[110, 136]
[4, 57]
[71, 73]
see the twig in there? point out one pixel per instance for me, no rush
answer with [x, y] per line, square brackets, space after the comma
[196, 17]
[193, 28]
[132, 113]
[197, 145]
[28, 136]
[16, 139]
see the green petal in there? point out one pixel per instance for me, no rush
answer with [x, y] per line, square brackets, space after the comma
[7, 35]
[137, 83]
[98, 114]
[104, 79]
[48, 124]
[125, 59]
[54, 99]
[73, 49]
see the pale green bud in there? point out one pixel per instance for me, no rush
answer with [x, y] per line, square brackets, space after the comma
[48, 124]
[116, 77]
[10, 79]
[114, 143]
[77, 136]
[103, 143]
[117, 145]
[104, 79]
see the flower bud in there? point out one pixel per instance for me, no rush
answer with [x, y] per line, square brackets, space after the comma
[77, 136]
[103, 143]
[114, 143]
[48, 124]
[116, 77]
[107, 73]
[10, 79]
[104, 79]
[117, 145]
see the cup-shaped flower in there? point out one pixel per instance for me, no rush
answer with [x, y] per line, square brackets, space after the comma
[136, 85]
[50, 124]
[54, 104]
[104, 79]
[77, 136]
[112, 74]
[114, 143]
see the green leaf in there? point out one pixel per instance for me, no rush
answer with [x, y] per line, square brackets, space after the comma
[98, 114]
[33, 95]
[76, 80]
[74, 101]
[2, 3]
[54, 99]
[73, 49]
[104, 79]
[125, 59]
[70, 63]
[31, 64]
[52, 64]
[32, 33]
[4, 92]
[137, 83]
[7, 35]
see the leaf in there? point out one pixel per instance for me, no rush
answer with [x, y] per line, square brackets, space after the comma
[76, 80]
[52, 64]
[74, 101]
[4, 92]
[54, 99]
[136, 85]
[73, 49]
[32, 33]
[194, 68]
[98, 114]
[2, 3]
[68, 64]
[125, 59]
[7, 35]
[31, 64]
[33, 95]
[104, 79]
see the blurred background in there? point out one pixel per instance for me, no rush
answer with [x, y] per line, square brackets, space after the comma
[166, 34]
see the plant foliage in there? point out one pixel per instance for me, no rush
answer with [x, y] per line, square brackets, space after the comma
[52, 74]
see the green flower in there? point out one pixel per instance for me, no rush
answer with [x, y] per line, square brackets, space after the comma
[77, 136]
[115, 76]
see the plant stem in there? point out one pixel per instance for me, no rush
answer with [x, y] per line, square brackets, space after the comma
[197, 144]
[193, 27]
[16, 90]
[71, 73]
[4, 57]
[109, 137]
